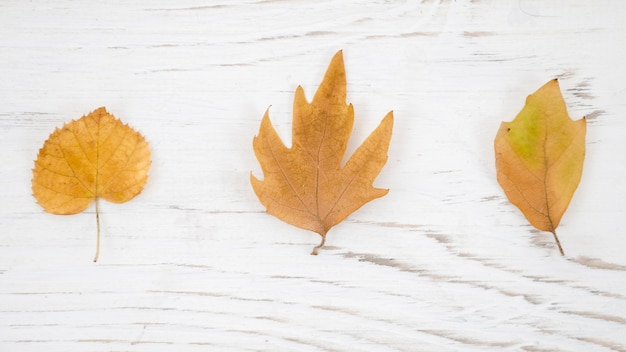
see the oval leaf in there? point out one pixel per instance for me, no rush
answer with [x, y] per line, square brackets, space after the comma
[539, 158]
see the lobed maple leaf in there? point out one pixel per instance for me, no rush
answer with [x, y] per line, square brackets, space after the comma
[306, 185]
[539, 158]
[93, 157]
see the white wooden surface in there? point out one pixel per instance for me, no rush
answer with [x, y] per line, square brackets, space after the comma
[442, 263]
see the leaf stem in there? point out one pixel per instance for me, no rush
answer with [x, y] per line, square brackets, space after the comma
[558, 243]
[316, 248]
[95, 259]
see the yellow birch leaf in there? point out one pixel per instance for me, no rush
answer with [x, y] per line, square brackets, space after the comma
[539, 158]
[93, 157]
[306, 185]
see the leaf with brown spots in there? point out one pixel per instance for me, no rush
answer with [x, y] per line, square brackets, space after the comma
[306, 185]
[539, 158]
[93, 157]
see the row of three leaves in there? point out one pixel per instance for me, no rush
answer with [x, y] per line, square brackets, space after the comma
[539, 160]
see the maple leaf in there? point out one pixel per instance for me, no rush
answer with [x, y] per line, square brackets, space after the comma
[305, 185]
[93, 157]
[539, 158]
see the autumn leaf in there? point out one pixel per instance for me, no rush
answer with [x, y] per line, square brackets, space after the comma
[539, 158]
[306, 185]
[93, 157]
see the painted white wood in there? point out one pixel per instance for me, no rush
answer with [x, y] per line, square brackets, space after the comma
[442, 263]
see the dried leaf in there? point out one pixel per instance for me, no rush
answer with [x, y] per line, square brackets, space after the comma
[305, 185]
[93, 157]
[539, 158]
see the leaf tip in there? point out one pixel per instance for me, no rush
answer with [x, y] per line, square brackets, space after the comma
[338, 56]
[553, 84]
[389, 117]
[253, 179]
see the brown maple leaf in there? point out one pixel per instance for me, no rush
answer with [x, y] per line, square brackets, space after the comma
[539, 158]
[306, 185]
[93, 157]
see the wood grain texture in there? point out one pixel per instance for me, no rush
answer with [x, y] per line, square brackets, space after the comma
[442, 263]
